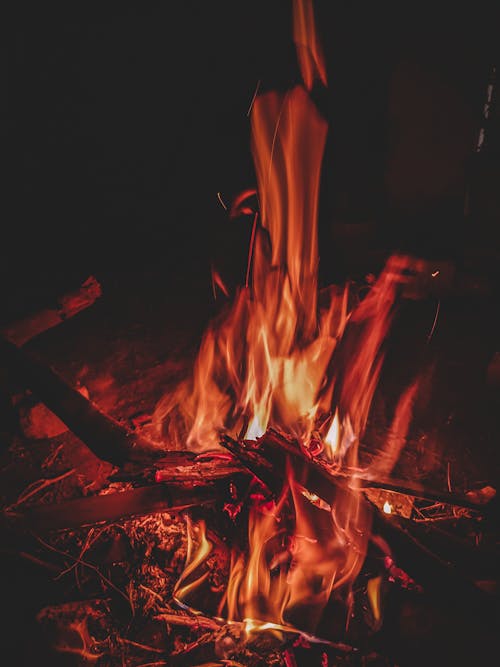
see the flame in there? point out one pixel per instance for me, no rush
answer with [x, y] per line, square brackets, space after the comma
[373, 590]
[281, 357]
[198, 550]
[387, 507]
[265, 361]
[332, 438]
[287, 576]
[309, 52]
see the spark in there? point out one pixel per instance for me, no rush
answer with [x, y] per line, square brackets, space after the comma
[435, 273]
[250, 249]
[435, 320]
[219, 197]
[253, 98]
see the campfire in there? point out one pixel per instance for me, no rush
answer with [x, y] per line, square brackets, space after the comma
[262, 513]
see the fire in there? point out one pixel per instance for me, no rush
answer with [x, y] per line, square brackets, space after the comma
[332, 438]
[277, 358]
[309, 51]
[373, 591]
[198, 550]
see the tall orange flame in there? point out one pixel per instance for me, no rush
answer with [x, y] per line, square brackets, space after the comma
[309, 52]
[277, 359]
[266, 361]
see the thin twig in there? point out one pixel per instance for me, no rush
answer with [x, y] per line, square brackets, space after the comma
[143, 647]
[197, 622]
[38, 486]
[435, 320]
[65, 554]
[152, 592]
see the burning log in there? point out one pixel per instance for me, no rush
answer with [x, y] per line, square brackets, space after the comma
[270, 452]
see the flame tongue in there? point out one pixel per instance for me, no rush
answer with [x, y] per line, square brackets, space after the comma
[288, 138]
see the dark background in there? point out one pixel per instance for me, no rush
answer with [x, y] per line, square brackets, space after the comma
[126, 120]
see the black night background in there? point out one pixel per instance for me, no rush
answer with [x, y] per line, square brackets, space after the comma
[125, 121]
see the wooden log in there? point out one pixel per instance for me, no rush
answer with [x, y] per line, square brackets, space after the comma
[107, 508]
[317, 477]
[107, 439]
[21, 331]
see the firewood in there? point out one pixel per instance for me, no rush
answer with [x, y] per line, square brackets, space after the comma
[318, 478]
[107, 508]
[70, 304]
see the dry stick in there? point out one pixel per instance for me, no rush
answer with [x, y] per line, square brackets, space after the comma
[38, 486]
[144, 647]
[197, 622]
